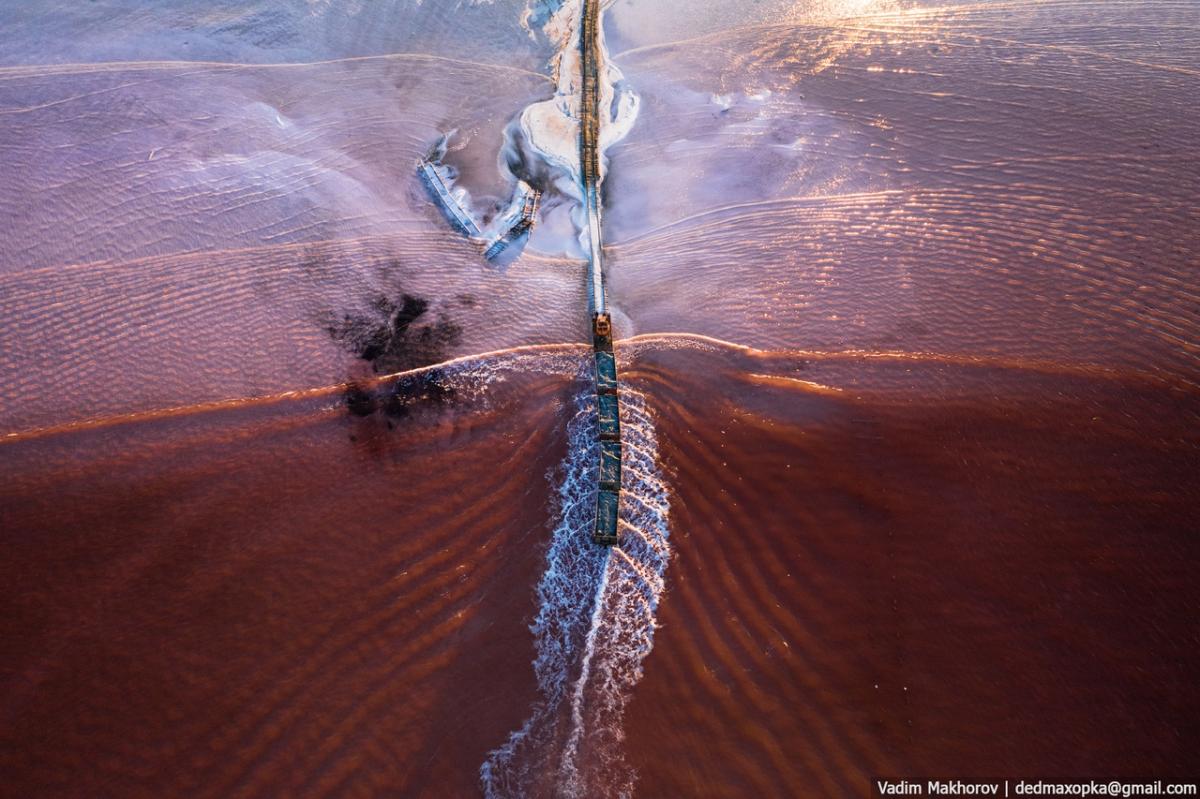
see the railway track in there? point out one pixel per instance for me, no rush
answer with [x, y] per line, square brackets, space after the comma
[608, 467]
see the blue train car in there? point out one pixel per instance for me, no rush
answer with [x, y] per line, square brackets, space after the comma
[605, 531]
[610, 465]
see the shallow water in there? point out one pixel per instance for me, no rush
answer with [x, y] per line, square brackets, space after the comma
[907, 304]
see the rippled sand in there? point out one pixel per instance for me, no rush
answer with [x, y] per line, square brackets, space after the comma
[293, 484]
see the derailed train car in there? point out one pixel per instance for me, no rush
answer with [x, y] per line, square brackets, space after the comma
[506, 227]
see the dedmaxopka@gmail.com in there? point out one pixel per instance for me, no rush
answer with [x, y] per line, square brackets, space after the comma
[1028, 788]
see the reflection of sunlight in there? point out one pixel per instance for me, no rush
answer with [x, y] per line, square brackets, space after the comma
[853, 8]
[854, 23]
[809, 11]
[841, 19]
[900, 13]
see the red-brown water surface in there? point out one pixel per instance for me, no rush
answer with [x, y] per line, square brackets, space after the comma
[907, 298]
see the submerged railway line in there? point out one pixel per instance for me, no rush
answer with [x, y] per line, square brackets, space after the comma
[608, 411]
[493, 241]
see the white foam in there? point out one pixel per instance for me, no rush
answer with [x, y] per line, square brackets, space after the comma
[596, 619]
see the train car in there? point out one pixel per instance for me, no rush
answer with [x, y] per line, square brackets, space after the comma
[605, 531]
[608, 420]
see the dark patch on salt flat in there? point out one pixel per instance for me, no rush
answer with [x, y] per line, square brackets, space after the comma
[360, 401]
[410, 392]
[396, 335]
[409, 395]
